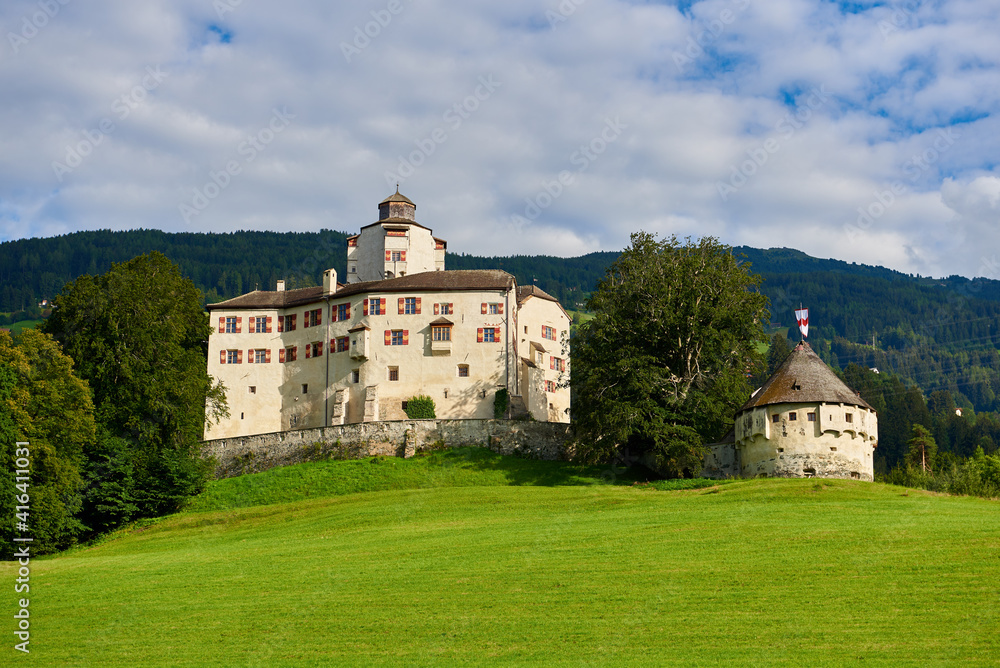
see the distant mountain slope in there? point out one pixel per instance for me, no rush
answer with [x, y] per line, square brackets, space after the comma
[938, 333]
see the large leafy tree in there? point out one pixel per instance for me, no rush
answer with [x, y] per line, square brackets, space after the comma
[43, 403]
[663, 365]
[139, 336]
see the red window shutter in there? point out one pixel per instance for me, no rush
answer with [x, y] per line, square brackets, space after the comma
[222, 324]
[451, 309]
[402, 305]
[381, 305]
[295, 353]
[437, 309]
[406, 337]
[250, 356]
[269, 321]
[333, 313]
[388, 256]
[267, 356]
[402, 256]
[305, 319]
[388, 337]
[418, 305]
[308, 351]
[223, 360]
[333, 345]
[348, 312]
[319, 349]
[484, 308]
[496, 334]
[552, 362]
[319, 316]
[500, 308]
[366, 307]
[239, 357]
[479, 335]
[281, 356]
[281, 323]
[239, 325]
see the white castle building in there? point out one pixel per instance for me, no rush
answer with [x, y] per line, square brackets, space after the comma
[401, 326]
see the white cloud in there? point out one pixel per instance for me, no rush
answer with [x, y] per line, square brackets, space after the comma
[891, 78]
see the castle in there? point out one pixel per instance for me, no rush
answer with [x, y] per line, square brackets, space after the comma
[803, 422]
[401, 326]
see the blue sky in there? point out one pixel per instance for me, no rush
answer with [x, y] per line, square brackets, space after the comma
[866, 132]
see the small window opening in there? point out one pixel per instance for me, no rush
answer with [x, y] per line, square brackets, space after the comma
[855, 475]
[241, 416]
[809, 472]
[849, 418]
[811, 417]
[792, 416]
[253, 389]
[775, 418]
[833, 449]
[305, 388]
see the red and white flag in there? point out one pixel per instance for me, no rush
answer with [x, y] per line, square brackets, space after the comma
[802, 317]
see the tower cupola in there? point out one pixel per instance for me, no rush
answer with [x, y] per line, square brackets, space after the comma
[397, 206]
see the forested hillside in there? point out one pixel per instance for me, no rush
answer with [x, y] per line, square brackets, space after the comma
[941, 334]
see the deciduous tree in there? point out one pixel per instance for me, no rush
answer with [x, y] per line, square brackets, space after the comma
[663, 364]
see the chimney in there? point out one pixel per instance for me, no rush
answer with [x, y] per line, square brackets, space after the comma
[329, 282]
[281, 286]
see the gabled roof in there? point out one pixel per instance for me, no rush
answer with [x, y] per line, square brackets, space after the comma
[441, 281]
[525, 291]
[804, 378]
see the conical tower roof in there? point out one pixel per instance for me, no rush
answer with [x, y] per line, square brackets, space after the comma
[397, 197]
[803, 378]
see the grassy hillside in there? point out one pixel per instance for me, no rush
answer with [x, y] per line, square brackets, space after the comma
[793, 572]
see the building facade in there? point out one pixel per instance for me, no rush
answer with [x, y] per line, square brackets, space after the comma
[401, 326]
[804, 422]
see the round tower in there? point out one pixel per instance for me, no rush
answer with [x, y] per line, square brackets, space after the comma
[804, 422]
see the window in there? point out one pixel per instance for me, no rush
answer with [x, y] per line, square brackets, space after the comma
[342, 343]
[232, 356]
[314, 349]
[394, 373]
[258, 324]
[260, 356]
[548, 333]
[231, 325]
[343, 312]
[441, 333]
[493, 308]
[444, 309]
[849, 417]
[463, 370]
[775, 419]
[410, 306]
[489, 335]
[353, 268]
[356, 376]
[374, 306]
[287, 354]
[792, 416]
[396, 256]
[290, 322]
[305, 388]
[811, 417]
[557, 363]
[550, 386]
[396, 337]
[313, 318]
[253, 389]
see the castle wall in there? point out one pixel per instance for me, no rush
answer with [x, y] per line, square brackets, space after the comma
[249, 454]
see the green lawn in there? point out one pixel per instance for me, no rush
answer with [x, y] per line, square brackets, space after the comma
[24, 324]
[790, 572]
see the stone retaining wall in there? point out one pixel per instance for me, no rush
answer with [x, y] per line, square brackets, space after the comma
[249, 454]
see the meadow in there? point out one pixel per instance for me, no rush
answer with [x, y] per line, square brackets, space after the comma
[468, 557]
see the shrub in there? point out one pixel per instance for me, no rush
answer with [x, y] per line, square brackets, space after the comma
[500, 402]
[420, 408]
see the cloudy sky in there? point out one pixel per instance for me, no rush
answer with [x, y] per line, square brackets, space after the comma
[864, 131]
